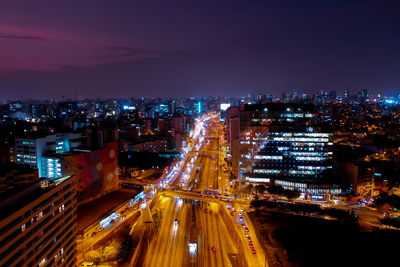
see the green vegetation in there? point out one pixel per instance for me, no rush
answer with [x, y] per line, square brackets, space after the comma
[280, 191]
[309, 241]
[306, 209]
[260, 188]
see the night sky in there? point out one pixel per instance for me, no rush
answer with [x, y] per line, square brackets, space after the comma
[187, 48]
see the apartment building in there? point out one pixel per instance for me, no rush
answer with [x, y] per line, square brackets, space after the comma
[38, 224]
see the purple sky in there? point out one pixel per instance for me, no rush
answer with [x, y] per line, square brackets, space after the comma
[175, 48]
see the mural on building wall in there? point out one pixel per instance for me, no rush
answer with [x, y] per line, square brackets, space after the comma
[96, 171]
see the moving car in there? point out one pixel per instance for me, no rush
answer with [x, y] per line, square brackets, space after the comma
[176, 221]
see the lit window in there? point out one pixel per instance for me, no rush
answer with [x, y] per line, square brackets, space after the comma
[42, 262]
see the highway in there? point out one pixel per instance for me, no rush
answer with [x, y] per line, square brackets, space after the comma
[170, 245]
[188, 216]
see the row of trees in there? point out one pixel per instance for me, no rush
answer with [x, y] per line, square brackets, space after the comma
[280, 191]
[275, 190]
[305, 209]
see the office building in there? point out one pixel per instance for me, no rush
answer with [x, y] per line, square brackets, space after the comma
[29, 151]
[283, 144]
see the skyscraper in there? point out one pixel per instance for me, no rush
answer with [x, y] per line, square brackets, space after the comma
[283, 144]
[198, 107]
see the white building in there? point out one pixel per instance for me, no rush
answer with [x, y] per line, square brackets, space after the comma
[29, 151]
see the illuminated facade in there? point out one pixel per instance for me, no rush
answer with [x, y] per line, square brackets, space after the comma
[51, 167]
[198, 107]
[38, 225]
[283, 144]
[30, 151]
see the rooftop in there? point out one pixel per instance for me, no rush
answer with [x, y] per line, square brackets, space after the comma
[11, 166]
[90, 212]
[15, 200]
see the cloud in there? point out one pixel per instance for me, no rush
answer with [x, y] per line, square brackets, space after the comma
[123, 53]
[22, 37]
[129, 49]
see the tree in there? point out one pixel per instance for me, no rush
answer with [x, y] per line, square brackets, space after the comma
[256, 204]
[247, 189]
[110, 252]
[292, 194]
[260, 188]
[94, 256]
[275, 190]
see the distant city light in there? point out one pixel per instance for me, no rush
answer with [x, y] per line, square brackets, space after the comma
[126, 107]
[225, 106]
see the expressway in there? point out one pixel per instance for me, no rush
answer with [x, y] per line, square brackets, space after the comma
[179, 219]
[186, 216]
[182, 225]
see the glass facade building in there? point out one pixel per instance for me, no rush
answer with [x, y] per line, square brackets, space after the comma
[283, 144]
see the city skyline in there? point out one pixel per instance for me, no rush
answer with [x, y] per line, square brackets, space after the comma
[164, 182]
[199, 133]
[196, 49]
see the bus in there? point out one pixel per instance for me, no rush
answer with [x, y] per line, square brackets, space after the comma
[225, 198]
[211, 192]
[281, 199]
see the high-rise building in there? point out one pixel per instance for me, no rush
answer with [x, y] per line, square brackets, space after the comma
[173, 107]
[178, 132]
[282, 144]
[232, 123]
[38, 224]
[198, 107]
[346, 95]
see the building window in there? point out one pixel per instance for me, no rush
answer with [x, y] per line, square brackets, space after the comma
[42, 262]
